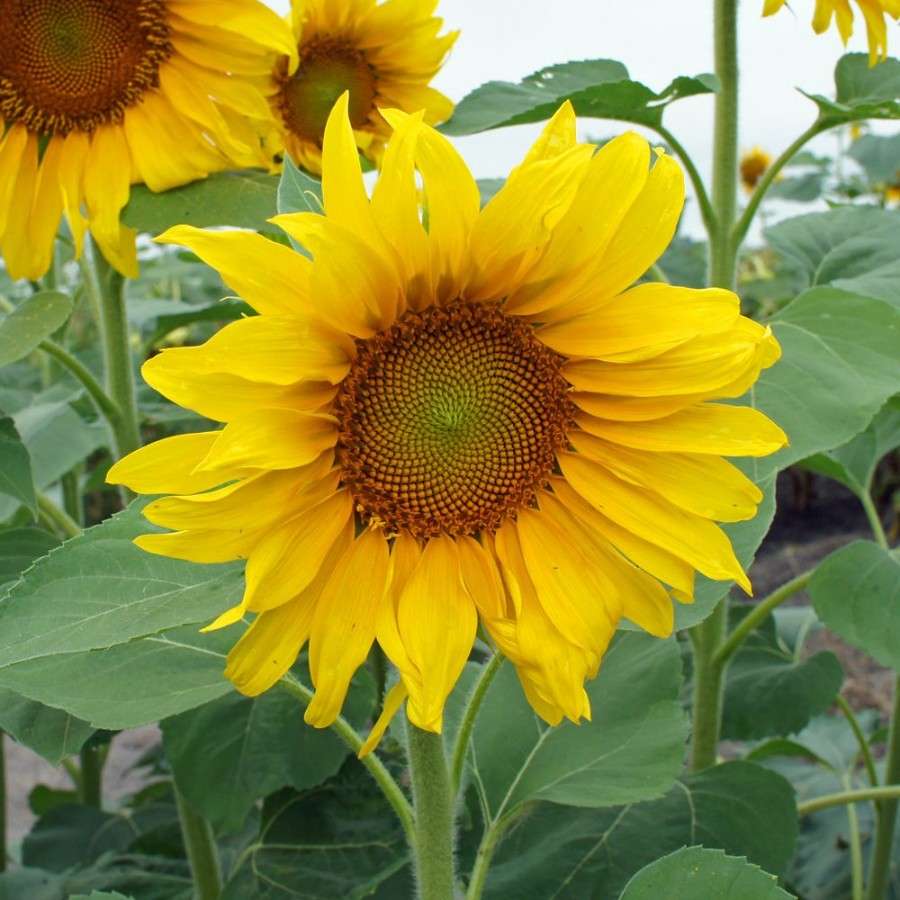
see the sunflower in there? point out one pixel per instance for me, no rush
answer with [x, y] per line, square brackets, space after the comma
[96, 95]
[480, 420]
[383, 55]
[873, 12]
[753, 166]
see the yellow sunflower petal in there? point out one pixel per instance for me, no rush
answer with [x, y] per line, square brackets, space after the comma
[690, 537]
[289, 557]
[643, 322]
[270, 439]
[344, 625]
[392, 703]
[167, 466]
[272, 278]
[436, 620]
[704, 428]
[699, 483]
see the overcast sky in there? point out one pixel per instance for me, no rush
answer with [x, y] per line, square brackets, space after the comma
[657, 40]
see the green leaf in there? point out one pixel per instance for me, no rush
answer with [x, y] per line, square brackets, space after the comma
[800, 189]
[19, 548]
[235, 199]
[297, 191]
[231, 752]
[769, 692]
[51, 733]
[16, 479]
[632, 750]
[853, 248]
[695, 872]
[599, 88]
[74, 835]
[339, 841]
[557, 851]
[879, 156]
[863, 92]
[853, 464]
[840, 363]
[856, 593]
[71, 630]
[57, 438]
[33, 320]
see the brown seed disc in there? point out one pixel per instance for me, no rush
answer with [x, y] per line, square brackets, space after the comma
[328, 67]
[69, 65]
[450, 421]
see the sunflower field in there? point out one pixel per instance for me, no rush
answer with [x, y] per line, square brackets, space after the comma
[373, 529]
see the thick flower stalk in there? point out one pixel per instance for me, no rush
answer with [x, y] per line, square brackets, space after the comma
[383, 55]
[479, 421]
[841, 12]
[97, 95]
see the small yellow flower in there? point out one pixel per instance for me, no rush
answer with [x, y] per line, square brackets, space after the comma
[873, 12]
[753, 166]
[96, 95]
[385, 55]
[477, 421]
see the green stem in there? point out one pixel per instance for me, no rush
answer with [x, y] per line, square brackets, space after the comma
[864, 749]
[826, 801]
[94, 389]
[760, 612]
[706, 209]
[376, 767]
[742, 226]
[3, 850]
[56, 518]
[433, 804]
[874, 520]
[708, 685]
[460, 748]
[202, 853]
[722, 251]
[107, 289]
[880, 866]
[709, 634]
[856, 860]
[90, 778]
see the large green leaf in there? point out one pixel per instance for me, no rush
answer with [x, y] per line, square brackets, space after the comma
[19, 548]
[339, 841]
[840, 363]
[94, 628]
[16, 479]
[879, 156]
[51, 733]
[856, 593]
[235, 199]
[557, 851]
[697, 872]
[853, 248]
[231, 752]
[33, 320]
[297, 191]
[599, 88]
[853, 464]
[632, 750]
[769, 692]
[863, 91]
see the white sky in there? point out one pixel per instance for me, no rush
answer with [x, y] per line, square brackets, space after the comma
[657, 40]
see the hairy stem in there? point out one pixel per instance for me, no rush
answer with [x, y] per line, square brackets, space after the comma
[202, 853]
[433, 804]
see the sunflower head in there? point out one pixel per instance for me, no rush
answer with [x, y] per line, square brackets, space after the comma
[753, 165]
[96, 95]
[383, 55]
[479, 421]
